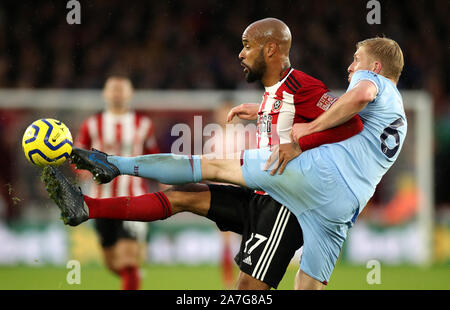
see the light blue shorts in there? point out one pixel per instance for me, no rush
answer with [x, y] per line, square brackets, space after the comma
[312, 188]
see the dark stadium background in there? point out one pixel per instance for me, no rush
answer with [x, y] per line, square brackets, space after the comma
[185, 45]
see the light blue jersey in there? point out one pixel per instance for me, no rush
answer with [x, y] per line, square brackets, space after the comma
[327, 187]
[363, 159]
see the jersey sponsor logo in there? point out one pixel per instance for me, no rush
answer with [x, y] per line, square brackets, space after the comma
[326, 101]
[265, 123]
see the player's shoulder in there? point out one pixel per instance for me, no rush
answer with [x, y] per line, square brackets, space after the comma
[142, 116]
[297, 82]
[306, 79]
[378, 80]
[143, 119]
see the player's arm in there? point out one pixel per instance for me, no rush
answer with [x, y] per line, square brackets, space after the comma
[346, 107]
[247, 111]
[284, 153]
[340, 133]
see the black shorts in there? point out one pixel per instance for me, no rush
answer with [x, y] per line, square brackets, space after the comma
[270, 233]
[110, 231]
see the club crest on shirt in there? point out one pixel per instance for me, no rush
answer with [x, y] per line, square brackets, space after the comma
[276, 106]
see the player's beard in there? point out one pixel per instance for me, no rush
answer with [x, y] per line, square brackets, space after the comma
[259, 69]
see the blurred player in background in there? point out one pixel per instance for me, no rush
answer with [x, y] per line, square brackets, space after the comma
[121, 131]
[226, 142]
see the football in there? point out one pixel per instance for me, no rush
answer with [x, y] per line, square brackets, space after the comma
[47, 142]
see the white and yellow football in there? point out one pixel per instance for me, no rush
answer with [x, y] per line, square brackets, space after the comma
[47, 142]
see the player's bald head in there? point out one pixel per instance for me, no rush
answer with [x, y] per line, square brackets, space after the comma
[269, 30]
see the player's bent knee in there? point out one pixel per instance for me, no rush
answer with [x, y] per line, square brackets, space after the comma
[109, 259]
[305, 282]
[126, 253]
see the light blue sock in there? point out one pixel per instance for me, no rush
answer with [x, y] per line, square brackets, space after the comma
[164, 168]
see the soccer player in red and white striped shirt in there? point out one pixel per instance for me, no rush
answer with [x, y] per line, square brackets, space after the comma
[119, 130]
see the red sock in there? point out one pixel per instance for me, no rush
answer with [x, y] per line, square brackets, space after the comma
[145, 208]
[227, 266]
[130, 278]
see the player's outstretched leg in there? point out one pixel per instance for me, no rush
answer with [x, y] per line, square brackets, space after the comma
[165, 168]
[68, 197]
[96, 162]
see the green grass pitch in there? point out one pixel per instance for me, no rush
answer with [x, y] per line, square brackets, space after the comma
[157, 277]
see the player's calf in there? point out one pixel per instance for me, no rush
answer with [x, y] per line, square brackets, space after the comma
[195, 198]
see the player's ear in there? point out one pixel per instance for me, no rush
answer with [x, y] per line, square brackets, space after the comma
[377, 66]
[271, 48]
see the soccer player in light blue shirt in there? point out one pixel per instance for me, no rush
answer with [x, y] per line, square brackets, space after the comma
[334, 182]
[337, 180]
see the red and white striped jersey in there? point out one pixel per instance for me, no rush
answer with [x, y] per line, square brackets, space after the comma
[296, 98]
[129, 134]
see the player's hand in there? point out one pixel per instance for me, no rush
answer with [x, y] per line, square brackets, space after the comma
[281, 155]
[299, 130]
[247, 111]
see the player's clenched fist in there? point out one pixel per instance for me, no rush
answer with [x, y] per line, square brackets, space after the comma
[247, 111]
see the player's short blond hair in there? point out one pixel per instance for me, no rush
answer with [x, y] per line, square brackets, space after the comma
[388, 52]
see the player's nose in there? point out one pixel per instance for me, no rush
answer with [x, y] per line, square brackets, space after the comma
[350, 68]
[241, 55]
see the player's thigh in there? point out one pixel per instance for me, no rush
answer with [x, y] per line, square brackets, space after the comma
[223, 170]
[120, 241]
[271, 237]
[325, 230]
[128, 248]
[108, 231]
[323, 242]
[126, 253]
[108, 258]
[229, 206]
[292, 188]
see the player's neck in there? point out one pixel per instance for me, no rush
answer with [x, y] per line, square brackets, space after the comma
[274, 74]
[118, 111]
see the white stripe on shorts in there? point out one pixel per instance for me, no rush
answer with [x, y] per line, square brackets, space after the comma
[272, 244]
